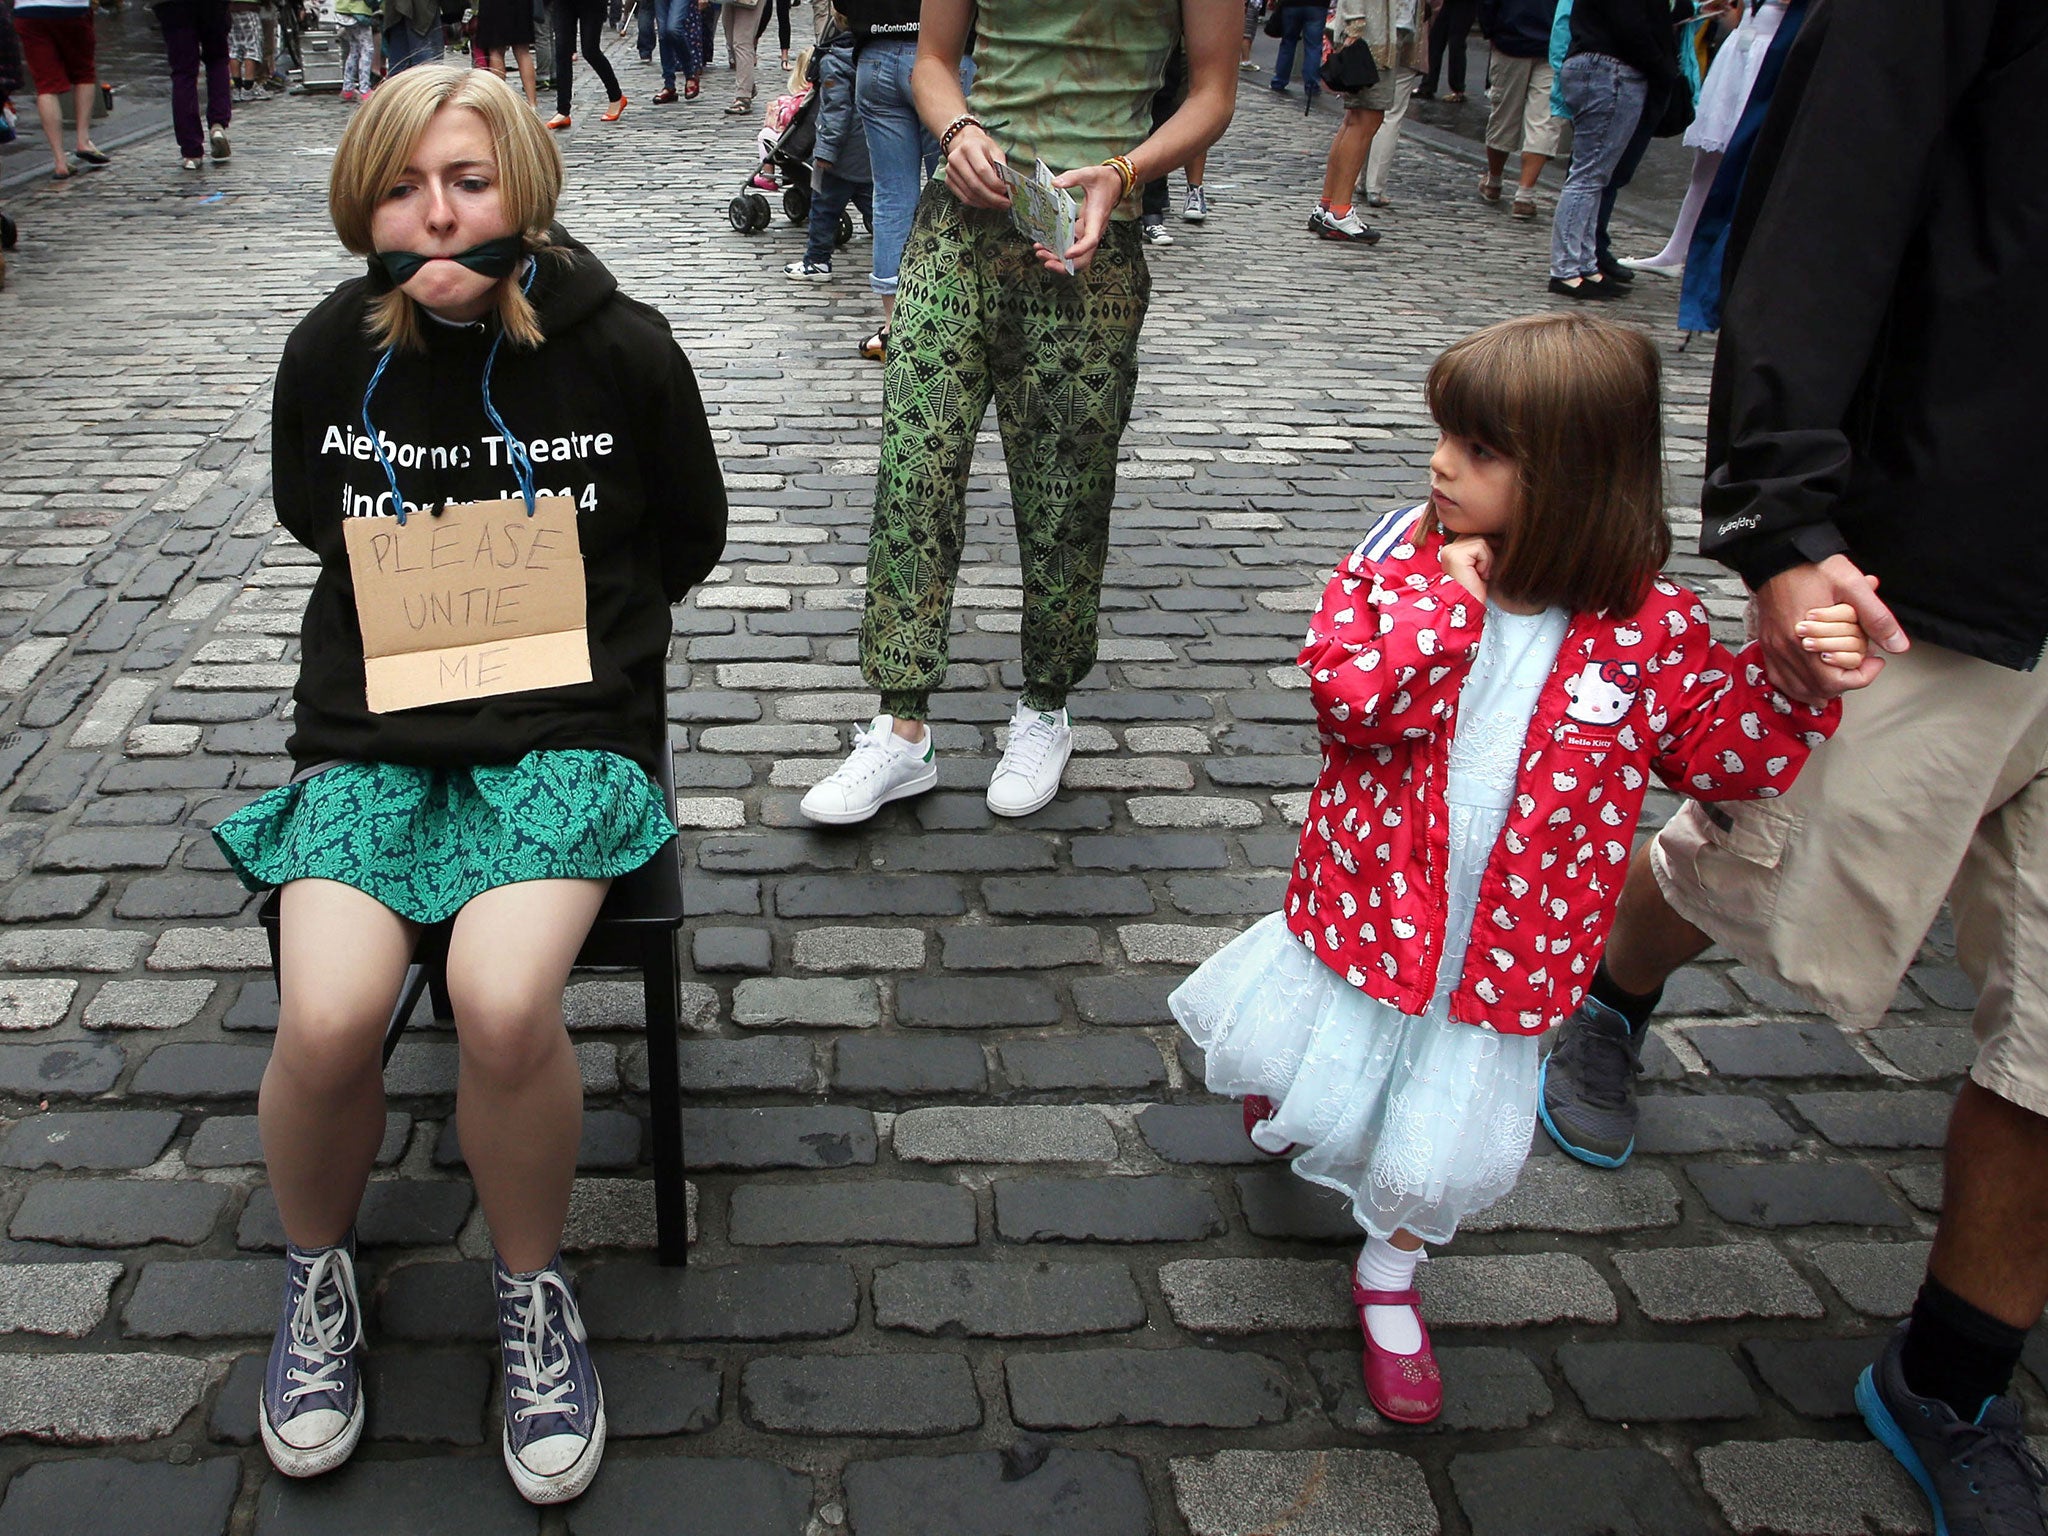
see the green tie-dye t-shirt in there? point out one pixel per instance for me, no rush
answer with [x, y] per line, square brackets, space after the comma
[1070, 82]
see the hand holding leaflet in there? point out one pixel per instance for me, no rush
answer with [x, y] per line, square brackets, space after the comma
[1041, 211]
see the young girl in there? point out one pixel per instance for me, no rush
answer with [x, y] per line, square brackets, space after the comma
[481, 329]
[1495, 674]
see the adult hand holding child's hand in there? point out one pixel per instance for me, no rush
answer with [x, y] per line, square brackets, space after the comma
[1470, 561]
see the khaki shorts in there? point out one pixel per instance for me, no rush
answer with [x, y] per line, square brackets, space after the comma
[1936, 785]
[1521, 118]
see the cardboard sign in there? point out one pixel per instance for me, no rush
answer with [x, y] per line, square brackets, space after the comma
[480, 600]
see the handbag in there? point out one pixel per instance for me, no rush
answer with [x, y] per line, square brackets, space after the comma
[1273, 28]
[1677, 115]
[1350, 69]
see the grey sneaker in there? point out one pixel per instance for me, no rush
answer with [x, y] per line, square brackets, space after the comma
[1979, 1476]
[1587, 1086]
[312, 1407]
[554, 1407]
[1196, 209]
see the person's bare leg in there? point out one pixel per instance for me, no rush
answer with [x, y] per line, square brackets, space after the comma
[1532, 168]
[1348, 150]
[527, 79]
[519, 1104]
[342, 959]
[1198, 168]
[1991, 1246]
[81, 115]
[1649, 940]
[50, 112]
[496, 59]
[1496, 162]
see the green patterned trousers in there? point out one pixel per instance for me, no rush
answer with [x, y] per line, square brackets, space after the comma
[978, 317]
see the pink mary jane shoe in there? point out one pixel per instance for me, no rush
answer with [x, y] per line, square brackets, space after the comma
[1257, 1108]
[1405, 1388]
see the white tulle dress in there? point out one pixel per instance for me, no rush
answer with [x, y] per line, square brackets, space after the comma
[1419, 1121]
[1731, 77]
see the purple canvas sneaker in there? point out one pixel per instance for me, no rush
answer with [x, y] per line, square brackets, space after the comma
[312, 1408]
[554, 1407]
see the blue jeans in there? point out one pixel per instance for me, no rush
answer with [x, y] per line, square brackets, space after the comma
[685, 38]
[829, 196]
[901, 151]
[1301, 26]
[1655, 99]
[1606, 101]
[404, 47]
[644, 19]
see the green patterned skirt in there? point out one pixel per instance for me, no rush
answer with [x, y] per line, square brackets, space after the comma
[423, 841]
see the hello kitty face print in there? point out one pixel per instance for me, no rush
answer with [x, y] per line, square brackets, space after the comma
[1602, 692]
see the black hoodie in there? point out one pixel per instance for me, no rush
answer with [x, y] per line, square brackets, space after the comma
[610, 412]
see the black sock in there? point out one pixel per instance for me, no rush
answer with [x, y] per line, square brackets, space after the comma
[1636, 1007]
[1957, 1352]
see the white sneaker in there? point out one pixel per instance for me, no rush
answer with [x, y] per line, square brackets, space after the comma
[1029, 774]
[1351, 227]
[1197, 208]
[882, 767]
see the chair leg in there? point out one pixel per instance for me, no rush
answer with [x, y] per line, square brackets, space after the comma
[408, 999]
[437, 986]
[662, 979]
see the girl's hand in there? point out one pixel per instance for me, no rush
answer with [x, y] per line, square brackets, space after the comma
[1835, 634]
[971, 174]
[1470, 561]
[1102, 189]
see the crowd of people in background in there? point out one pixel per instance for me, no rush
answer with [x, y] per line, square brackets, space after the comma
[1584, 84]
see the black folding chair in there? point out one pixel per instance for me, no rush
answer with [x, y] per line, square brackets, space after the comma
[635, 929]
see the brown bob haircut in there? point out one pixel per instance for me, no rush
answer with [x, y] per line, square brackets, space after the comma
[1573, 402]
[380, 140]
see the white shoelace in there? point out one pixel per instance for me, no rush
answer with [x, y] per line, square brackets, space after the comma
[1028, 748]
[321, 1336]
[547, 1382]
[871, 758]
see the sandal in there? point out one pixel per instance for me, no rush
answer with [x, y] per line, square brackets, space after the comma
[876, 347]
[739, 109]
[1258, 1109]
[1409, 1389]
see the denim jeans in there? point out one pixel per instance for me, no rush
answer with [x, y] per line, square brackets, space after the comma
[685, 38]
[829, 196]
[901, 150]
[1301, 26]
[644, 19]
[404, 47]
[1606, 101]
[1655, 99]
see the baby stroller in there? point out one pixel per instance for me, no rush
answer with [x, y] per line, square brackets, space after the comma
[789, 161]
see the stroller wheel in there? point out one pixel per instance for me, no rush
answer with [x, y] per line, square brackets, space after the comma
[741, 215]
[758, 216]
[796, 204]
[845, 231]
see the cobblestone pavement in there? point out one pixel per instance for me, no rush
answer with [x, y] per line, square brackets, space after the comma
[974, 1251]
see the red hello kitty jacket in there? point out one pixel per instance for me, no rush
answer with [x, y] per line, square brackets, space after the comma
[1386, 655]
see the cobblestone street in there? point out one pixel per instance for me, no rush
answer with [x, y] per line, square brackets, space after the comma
[974, 1253]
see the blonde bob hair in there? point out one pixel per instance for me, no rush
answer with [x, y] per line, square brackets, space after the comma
[380, 141]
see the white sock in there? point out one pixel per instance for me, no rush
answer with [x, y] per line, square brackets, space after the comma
[1266, 1139]
[907, 743]
[1383, 1267]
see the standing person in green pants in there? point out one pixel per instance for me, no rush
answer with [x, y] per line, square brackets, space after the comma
[983, 313]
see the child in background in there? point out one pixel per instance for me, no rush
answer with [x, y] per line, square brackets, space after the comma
[245, 46]
[777, 117]
[1495, 674]
[839, 169]
[360, 26]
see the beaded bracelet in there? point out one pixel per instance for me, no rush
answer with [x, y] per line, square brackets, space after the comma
[964, 120]
[1121, 164]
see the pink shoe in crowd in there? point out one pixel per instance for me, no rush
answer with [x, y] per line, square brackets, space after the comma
[766, 182]
[1405, 1388]
[349, 96]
